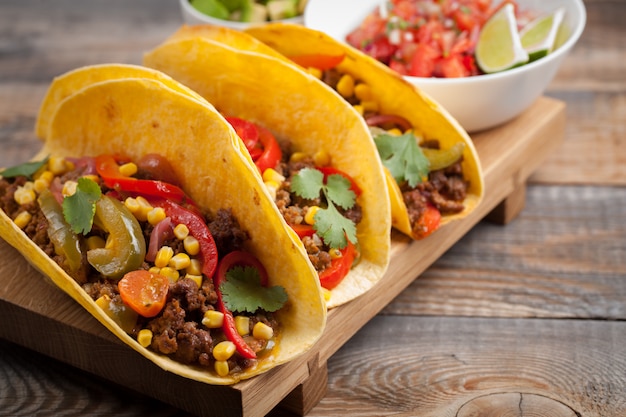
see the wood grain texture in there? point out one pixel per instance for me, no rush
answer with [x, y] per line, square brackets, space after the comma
[530, 314]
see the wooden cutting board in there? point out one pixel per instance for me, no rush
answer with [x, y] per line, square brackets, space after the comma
[37, 315]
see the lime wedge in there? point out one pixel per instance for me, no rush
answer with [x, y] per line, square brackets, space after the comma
[212, 8]
[499, 46]
[539, 36]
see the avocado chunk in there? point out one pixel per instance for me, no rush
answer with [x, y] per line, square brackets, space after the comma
[212, 8]
[282, 9]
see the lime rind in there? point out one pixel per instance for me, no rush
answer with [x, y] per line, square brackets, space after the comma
[499, 46]
[539, 36]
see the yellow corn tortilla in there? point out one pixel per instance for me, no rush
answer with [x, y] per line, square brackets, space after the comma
[68, 83]
[294, 106]
[138, 116]
[394, 95]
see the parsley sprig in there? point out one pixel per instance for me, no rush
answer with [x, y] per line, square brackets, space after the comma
[403, 157]
[242, 291]
[79, 208]
[334, 229]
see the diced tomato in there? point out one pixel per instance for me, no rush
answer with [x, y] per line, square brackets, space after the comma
[423, 61]
[452, 67]
[322, 62]
[426, 38]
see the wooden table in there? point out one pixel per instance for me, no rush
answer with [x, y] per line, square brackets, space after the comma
[520, 319]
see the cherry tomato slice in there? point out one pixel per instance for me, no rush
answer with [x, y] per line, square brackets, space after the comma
[144, 291]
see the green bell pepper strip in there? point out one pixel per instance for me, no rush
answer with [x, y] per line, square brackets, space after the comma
[65, 241]
[125, 247]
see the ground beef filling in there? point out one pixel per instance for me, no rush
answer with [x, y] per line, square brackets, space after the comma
[445, 189]
[177, 329]
[294, 209]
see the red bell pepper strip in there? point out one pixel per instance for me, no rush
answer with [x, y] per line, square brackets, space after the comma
[236, 258]
[197, 228]
[322, 62]
[382, 119]
[428, 222]
[328, 171]
[260, 143]
[109, 170]
[339, 267]
[303, 230]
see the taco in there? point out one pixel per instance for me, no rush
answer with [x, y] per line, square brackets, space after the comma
[166, 237]
[313, 150]
[429, 185]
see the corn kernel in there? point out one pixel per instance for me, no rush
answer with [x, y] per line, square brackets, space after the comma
[155, 215]
[221, 367]
[262, 331]
[69, 188]
[321, 158]
[191, 245]
[22, 219]
[163, 256]
[195, 267]
[57, 165]
[213, 319]
[271, 174]
[155, 270]
[363, 92]
[345, 86]
[181, 231]
[144, 209]
[132, 205]
[179, 261]
[128, 169]
[144, 337]
[242, 323]
[369, 105]
[195, 278]
[395, 132]
[223, 351]
[326, 293]
[41, 184]
[95, 242]
[316, 72]
[309, 217]
[170, 273]
[103, 302]
[335, 253]
[297, 157]
[359, 109]
[46, 176]
[24, 195]
[92, 177]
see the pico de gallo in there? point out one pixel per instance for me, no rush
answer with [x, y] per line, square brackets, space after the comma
[166, 272]
[317, 200]
[429, 38]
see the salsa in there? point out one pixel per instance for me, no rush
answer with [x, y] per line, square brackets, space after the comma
[435, 38]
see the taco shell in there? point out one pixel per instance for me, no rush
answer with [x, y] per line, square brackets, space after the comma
[111, 114]
[294, 106]
[394, 95]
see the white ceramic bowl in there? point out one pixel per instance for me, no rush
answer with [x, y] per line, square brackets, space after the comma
[191, 16]
[478, 102]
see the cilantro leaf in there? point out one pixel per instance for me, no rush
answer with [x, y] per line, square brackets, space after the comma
[403, 157]
[334, 228]
[339, 192]
[26, 169]
[330, 224]
[242, 291]
[307, 183]
[79, 209]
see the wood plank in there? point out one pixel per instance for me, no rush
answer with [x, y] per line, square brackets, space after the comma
[441, 367]
[508, 156]
[562, 257]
